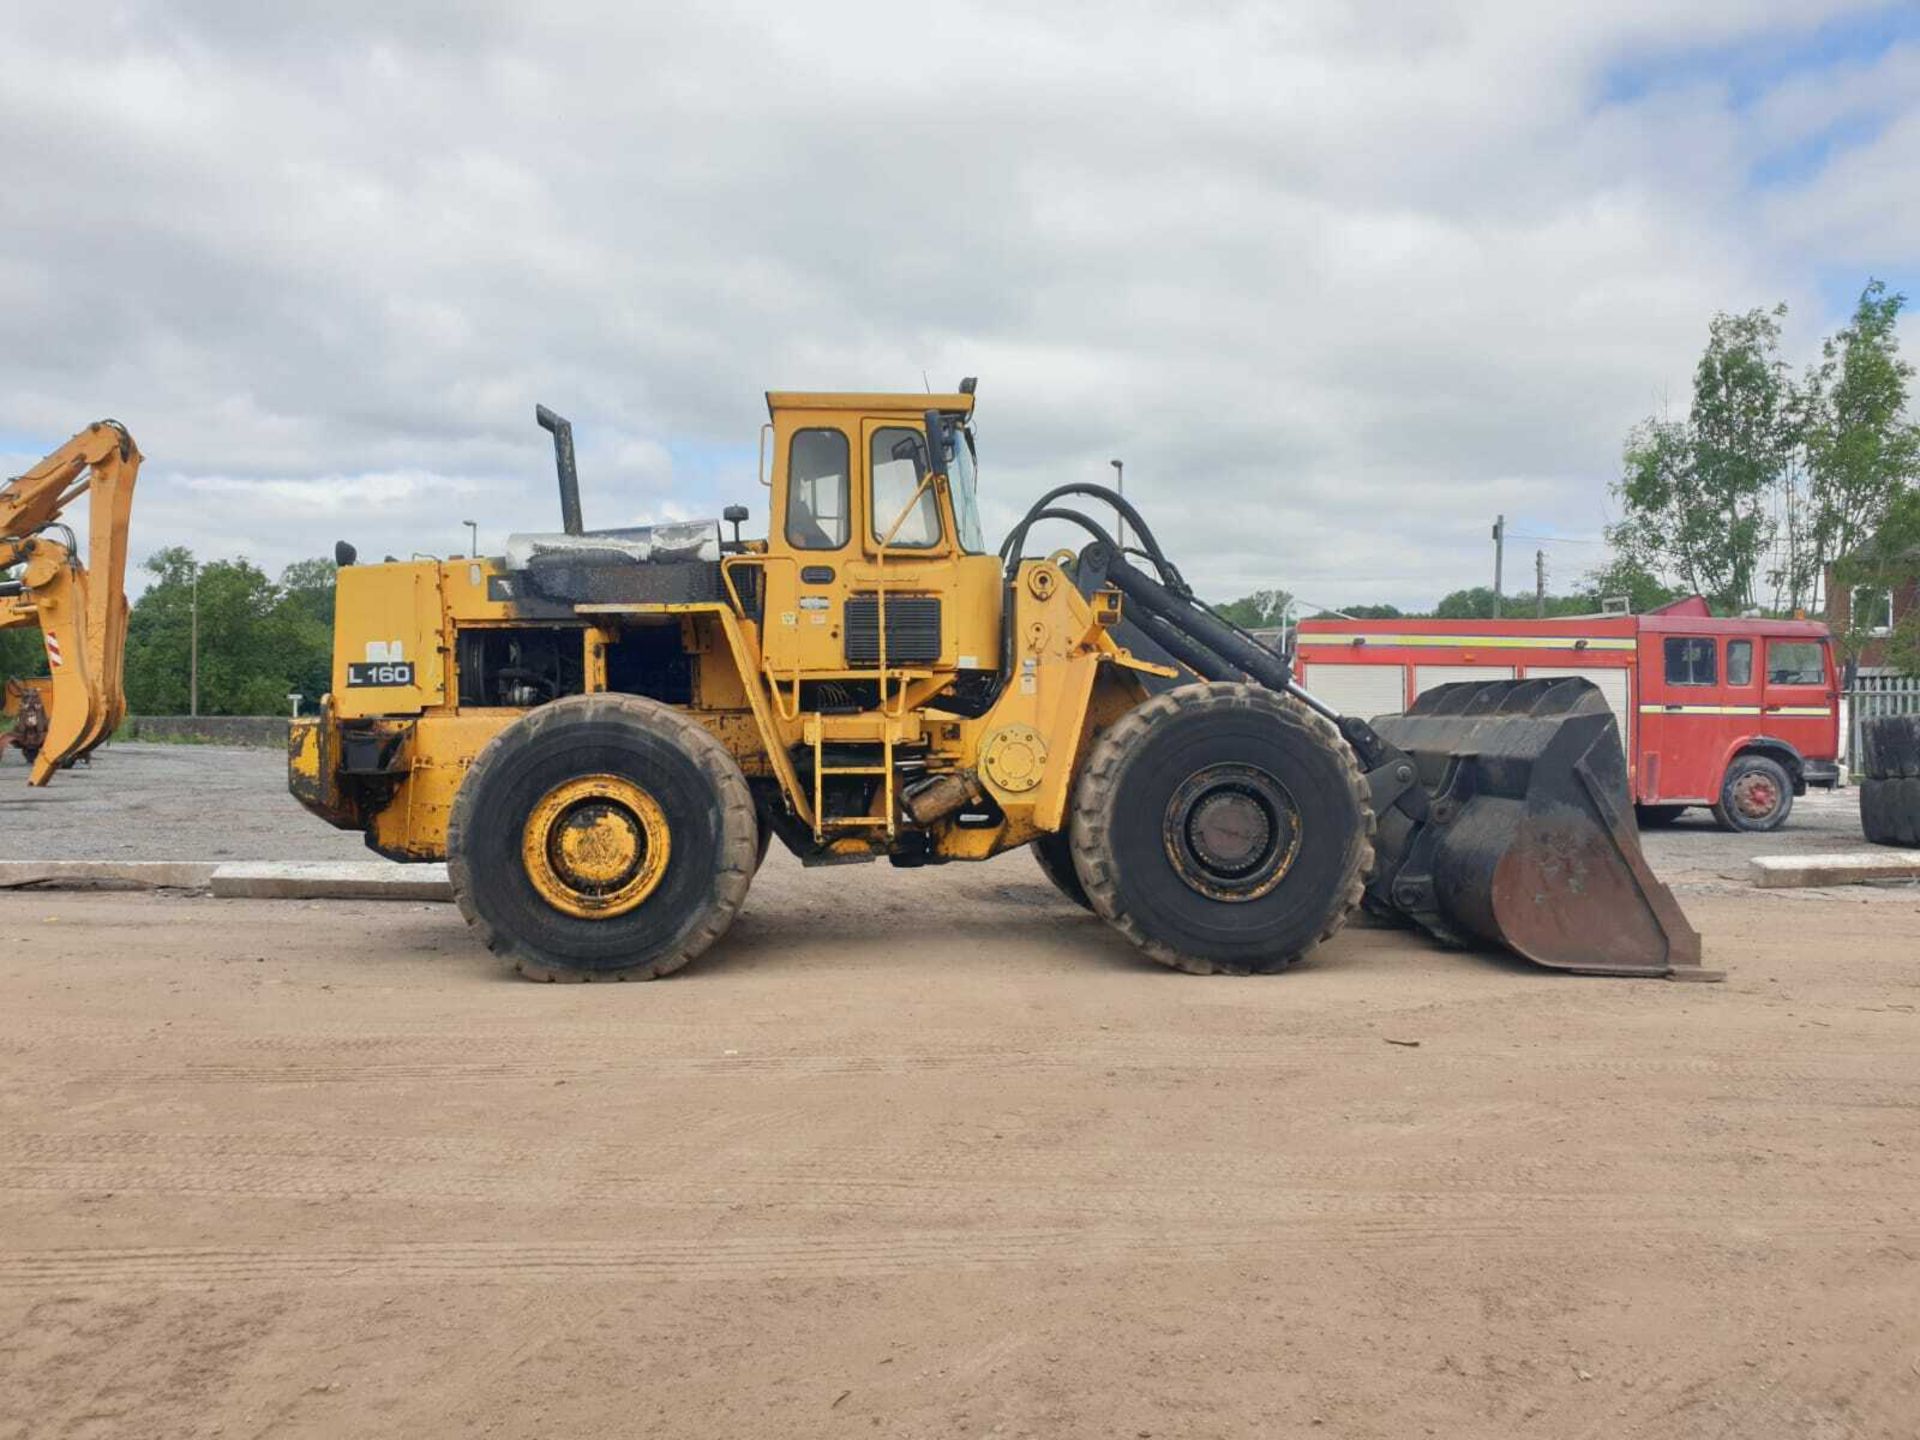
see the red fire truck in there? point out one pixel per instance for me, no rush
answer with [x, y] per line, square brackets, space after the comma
[1736, 715]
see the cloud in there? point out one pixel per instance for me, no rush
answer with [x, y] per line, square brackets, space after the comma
[1338, 282]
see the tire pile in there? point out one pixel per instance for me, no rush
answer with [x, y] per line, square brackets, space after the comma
[1890, 793]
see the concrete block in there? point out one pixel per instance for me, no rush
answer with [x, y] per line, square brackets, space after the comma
[1786, 872]
[330, 880]
[105, 874]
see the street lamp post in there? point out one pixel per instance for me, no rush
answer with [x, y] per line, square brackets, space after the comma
[1120, 484]
[473, 538]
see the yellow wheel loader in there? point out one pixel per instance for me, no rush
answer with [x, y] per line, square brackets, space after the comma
[601, 731]
[80, 610]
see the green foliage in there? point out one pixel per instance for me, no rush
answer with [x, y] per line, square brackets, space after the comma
[22, 653]
[1474, 603]
[1862, 455]
[259, 640]
[1624, 576]
[1262, 610]
[1699, 493]
[1885, 564]
[1373, 612]
[1765, 478]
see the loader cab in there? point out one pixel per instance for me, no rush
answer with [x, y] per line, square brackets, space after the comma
[859, 509]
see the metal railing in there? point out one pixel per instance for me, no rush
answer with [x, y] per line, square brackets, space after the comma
[1873, 695]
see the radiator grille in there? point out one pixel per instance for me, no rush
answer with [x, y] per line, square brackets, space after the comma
[913, 629]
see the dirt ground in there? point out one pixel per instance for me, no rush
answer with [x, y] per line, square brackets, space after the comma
[930, 1154]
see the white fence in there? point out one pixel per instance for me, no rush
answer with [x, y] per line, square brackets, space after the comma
[1874, 695]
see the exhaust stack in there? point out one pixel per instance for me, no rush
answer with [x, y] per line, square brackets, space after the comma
[562, 432]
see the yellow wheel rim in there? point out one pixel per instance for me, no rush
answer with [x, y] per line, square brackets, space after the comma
[596, 846]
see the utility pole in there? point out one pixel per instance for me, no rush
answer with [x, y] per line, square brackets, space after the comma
[193, 652]
[1499, 556]
[1539, 584]
[1120, 484]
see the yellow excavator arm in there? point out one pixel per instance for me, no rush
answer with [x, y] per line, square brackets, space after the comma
[81, 609]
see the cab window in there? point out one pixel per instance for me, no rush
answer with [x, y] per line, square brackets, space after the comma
[1690, 660]
[817, 490]
[899, 464]
[1795, 662]
[1739, 662]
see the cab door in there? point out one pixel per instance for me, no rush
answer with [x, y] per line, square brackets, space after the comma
[808, 553]
[904, 544]
[1680, 718]
[1800, 696]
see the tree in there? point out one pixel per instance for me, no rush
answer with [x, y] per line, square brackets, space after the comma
[1624, 576]
[1262, 610]
[1862, 454]
[1886, 564]
[305, 612]
[1474, 603]
[258, 640]
[1701, 494]
[23, 652]
[1373, 612]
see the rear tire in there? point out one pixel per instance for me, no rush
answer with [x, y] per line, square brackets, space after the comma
[1755, 796]
[1222, 828]
[1657, 817]
[1054, 854]
[1890, 810]
[602, 837]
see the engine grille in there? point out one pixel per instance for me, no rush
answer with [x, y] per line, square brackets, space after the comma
[913, 629]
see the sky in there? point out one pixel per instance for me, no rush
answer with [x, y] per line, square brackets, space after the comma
[1338, 282]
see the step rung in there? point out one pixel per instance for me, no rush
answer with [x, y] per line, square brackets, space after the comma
[853, 769]
[850, 822]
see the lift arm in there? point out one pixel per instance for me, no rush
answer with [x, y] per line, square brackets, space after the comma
[81, 610]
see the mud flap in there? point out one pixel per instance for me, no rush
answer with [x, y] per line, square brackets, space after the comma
[1528, 840]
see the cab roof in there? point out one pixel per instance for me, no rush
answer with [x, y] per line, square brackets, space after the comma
[868, 402]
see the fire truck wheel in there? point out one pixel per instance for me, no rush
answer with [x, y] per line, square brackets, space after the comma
[1657, 817]
[1756, 795]
[1055, 856]
[1890, 810]
[601, 837]
[1223, 829]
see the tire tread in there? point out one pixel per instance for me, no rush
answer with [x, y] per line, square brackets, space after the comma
[1100, 775]
[739, 829]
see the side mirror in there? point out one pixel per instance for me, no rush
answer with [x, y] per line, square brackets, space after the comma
[936, 442]
[912, 448]
[344, 554]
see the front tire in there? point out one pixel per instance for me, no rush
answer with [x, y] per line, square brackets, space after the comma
[1054, 854]
[602, 837]
[1756, 795]
[1222, 828]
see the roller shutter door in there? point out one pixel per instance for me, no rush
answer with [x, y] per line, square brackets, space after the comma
[1363, 690]
[1425, 677]
[1612, 683]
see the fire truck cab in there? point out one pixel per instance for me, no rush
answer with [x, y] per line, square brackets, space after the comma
[1738, 716]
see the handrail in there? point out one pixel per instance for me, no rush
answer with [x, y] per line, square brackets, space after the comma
[880, 586]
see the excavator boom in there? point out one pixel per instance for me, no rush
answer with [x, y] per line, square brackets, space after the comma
[80, 608]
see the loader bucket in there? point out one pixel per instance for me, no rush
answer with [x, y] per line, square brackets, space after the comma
[1530, 841]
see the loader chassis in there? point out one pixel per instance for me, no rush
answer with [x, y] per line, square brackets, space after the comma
[601, 731]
